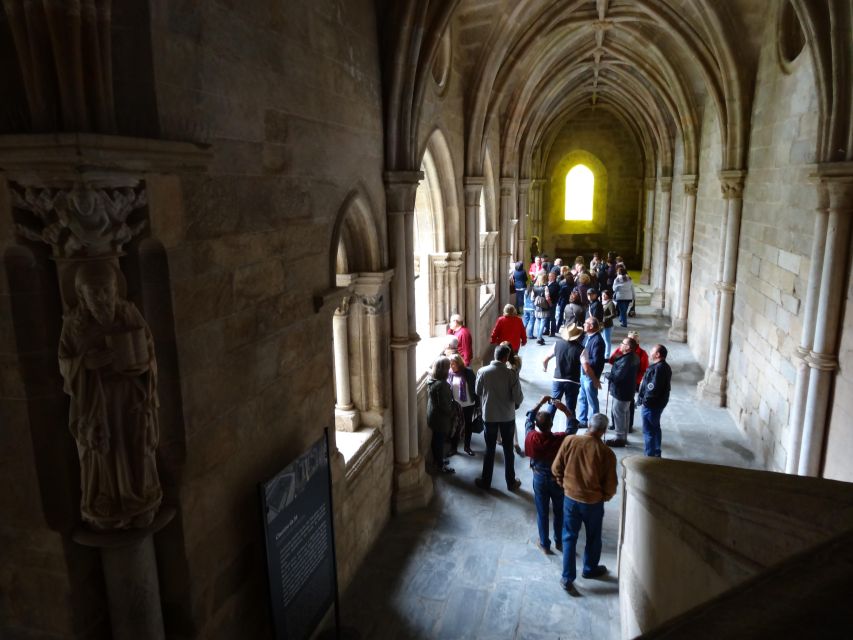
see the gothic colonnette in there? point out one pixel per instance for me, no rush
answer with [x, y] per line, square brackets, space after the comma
[227, 226]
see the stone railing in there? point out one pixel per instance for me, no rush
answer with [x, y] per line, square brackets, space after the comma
[690, 532]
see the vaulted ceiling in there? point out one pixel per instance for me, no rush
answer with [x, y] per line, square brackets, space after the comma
[530, 65]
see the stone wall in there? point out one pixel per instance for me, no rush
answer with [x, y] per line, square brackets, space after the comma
[706, 239]
[290, 102]
[774, 256]
[600, 133]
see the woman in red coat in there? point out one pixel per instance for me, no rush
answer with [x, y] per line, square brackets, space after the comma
[509, 328]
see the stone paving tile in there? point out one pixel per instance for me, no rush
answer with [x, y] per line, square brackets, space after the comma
[468, 566]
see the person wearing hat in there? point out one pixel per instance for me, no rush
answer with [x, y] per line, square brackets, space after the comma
[567, 373]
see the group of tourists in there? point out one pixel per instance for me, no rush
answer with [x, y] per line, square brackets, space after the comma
[574, 470]
[553, 295]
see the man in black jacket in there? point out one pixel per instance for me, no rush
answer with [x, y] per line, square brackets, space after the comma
[623, 381]
[653, 397]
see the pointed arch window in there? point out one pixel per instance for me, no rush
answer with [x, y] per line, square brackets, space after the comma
[580, 184]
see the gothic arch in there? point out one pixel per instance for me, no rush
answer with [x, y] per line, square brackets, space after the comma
[355, 238]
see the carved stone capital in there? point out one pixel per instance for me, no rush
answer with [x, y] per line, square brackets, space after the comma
[343, 306]
[731, 183]
[80, 221]
[400, 190]
[691, 188]
[372, 304]
[473, 187]
[665, 184]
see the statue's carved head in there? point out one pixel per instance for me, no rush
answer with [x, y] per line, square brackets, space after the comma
[97, 289]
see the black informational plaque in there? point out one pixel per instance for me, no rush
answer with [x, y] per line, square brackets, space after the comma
[297, 510]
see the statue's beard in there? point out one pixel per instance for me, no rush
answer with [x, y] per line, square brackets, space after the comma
[104, 315]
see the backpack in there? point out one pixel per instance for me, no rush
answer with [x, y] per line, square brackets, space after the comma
[541, 302]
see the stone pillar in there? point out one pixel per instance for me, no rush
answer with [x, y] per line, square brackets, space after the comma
[810, 310]
[508, 247]
[836, 181]
[678, 331]
[473, 190]
[645, 277]
[455, 260]
[524, 233]
[346, 417]
[536, 201]
[375, 391]
[713, 388]
[439, 267]
[412, 487]
[662, 244]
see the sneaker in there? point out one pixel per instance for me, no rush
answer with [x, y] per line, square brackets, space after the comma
[515, 484]
[616, 442]
[599, 571]
[569, 587]
[481, 484]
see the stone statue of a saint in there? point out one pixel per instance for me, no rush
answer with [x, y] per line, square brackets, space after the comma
[106, 356]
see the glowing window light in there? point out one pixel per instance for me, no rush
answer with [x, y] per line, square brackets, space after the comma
[579, 189]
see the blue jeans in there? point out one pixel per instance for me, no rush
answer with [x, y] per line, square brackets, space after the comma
[558, 316]
[651, 431]
[546, 492]
[606, 333]
[529, 321]
[591, 515]
[622, 306]
[571, 391]
[587, 400]
[491, 435]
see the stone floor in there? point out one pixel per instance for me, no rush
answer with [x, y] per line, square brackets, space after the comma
[468, 565]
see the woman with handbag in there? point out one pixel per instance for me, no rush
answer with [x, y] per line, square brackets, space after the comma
[440, 411]
[462, 380]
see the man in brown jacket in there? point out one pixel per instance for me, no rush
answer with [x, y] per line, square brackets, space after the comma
[586, 469]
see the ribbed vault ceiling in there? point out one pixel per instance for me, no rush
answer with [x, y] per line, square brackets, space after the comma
[650, 63]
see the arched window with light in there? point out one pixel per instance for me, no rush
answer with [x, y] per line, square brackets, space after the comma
[580, 185]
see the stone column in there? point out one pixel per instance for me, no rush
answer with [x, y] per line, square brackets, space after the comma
[375, 392]
[678, 332]
[645, 278]
[836, 180]
[536, 210]
[508, 246]
[412, 487]
[662, 243]
[371, 290]
[810, 310]
[346, 417]
[439, 266]
[473, 189]
[524, 232]
[455, 260]
[713, 387]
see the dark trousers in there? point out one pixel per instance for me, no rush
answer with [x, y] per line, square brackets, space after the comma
[506, 430]
[468, 413]
[437, 447]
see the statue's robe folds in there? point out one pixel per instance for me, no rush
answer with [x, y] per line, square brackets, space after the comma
[113, 418]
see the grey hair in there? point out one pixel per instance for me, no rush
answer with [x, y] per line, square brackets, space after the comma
[597, 423]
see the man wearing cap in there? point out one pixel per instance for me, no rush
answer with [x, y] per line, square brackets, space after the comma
[653, 398]
[567, 373]
[541, 445]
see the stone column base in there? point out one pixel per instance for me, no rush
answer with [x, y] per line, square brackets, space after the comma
[645, 277]
[347, 419]
[712, 390]
[658, 299]
[678, 331]
[413, 486]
